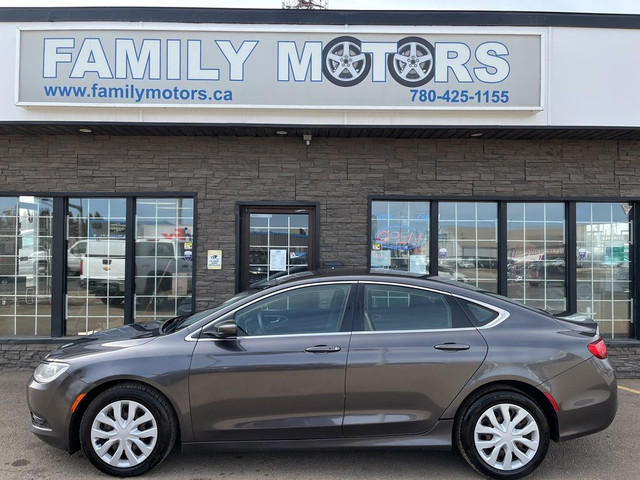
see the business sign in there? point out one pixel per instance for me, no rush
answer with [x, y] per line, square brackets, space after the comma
[279, 69]
[399, 237]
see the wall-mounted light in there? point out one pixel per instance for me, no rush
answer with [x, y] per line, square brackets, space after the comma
[306, 139]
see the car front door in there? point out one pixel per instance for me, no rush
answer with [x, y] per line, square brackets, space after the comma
[282, 376]
[415, 352]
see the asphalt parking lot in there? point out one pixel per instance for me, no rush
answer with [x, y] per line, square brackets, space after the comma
[611, 454]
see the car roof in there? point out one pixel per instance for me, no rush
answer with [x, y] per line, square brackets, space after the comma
[353, 273]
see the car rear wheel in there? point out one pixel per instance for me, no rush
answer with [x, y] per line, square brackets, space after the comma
[503, 434]
[127, 430]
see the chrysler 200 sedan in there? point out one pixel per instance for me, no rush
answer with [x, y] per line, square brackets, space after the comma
[333, 360]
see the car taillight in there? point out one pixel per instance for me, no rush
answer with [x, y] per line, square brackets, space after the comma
[81, 266]
[598, 348]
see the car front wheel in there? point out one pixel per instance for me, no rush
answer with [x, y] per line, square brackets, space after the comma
[127, 430]
[503, 434]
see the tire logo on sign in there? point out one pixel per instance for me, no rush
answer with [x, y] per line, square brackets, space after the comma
[346, 65]
[412, 65]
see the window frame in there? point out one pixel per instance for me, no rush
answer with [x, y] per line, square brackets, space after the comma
[265, 301]
[59, 248]
[569, 235]
[347, 320]
[457, 314]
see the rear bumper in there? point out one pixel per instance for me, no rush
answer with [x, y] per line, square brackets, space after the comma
[587, 397]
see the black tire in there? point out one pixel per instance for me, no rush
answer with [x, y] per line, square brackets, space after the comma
[531, 447]
[147, 404]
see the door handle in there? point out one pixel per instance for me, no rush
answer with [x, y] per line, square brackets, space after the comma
[451, 347]
[322, 349]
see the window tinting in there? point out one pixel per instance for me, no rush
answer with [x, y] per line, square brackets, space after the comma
[389, 308]
[315, 309]
[479, 315]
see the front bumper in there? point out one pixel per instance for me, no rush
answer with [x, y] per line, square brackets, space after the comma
[50, 409]
[587, 397]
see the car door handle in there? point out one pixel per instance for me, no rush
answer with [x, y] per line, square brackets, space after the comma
[451, 347]
[322, 349]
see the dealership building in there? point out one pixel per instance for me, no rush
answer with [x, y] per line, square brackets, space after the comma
[154, 161]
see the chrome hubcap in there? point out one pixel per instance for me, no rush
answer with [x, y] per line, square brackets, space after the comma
[124, 434]
[506, 436]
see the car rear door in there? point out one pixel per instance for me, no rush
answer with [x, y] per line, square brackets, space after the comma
[283, 376]
[414, 352]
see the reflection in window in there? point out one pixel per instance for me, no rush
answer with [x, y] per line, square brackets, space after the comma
[390, 308]
[536, 264]
[25, 265]
[278, 245]
[468, 243]
[95, 264]
[164, 257]
[317, 309]
[400, 236]
[602, 247]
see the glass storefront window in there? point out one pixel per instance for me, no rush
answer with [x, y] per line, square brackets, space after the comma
[25, 265]
[468, 243]
[603, 262]
[400, 235]
[536, 263]
[95, 264]
[164, 257]
[278, 244]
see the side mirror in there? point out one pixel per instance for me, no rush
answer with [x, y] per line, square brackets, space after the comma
[225, 329]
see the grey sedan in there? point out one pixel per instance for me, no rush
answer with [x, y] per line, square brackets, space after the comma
[333, 360]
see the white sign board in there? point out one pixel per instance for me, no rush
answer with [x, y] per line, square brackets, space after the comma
[277, 260]
[274, 69]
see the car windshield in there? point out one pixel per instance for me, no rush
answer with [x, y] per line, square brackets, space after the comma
[185, 321]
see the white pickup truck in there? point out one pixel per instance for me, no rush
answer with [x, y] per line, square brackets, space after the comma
[160, 267]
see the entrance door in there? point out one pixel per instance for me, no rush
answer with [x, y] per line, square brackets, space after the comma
[276, 241]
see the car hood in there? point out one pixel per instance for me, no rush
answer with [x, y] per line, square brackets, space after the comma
[112, 339]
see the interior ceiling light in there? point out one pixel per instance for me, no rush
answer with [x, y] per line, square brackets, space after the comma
[477, 134]
[85, 130]
[281, 132]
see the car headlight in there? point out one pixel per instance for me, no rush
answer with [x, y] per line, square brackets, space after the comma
[48, 371]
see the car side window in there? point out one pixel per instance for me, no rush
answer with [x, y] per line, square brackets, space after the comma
[313, 309]
[389, 308]
[79, 248]
[479, 315]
